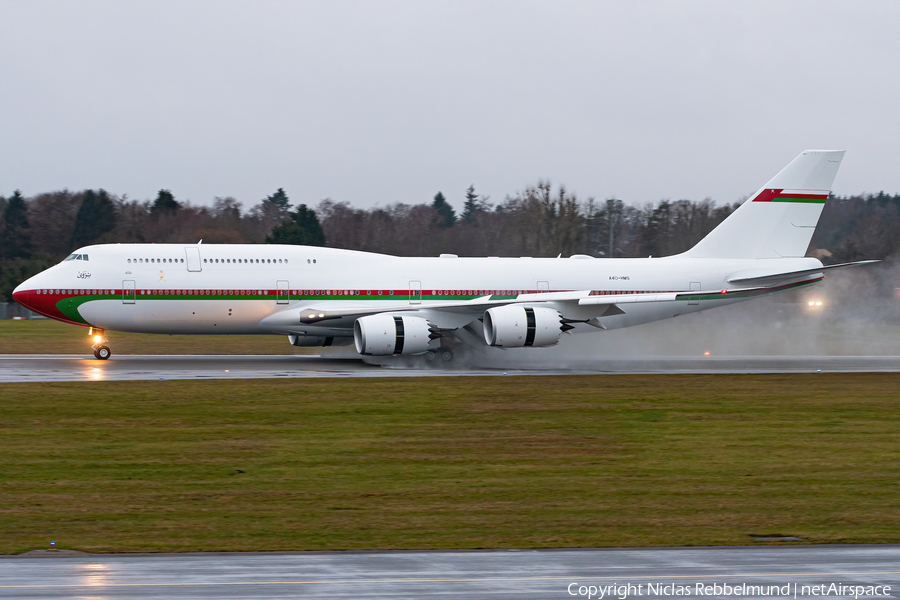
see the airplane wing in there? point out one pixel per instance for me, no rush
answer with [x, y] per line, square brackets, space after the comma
[311, 315]
[314, 315]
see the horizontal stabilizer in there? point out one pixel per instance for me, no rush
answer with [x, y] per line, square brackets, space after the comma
[755, 276]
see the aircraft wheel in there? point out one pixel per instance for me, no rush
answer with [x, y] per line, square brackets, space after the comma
[446, 355]
[103, 352]
[430, 355]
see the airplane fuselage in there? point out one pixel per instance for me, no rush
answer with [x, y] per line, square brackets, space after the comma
[243, 288]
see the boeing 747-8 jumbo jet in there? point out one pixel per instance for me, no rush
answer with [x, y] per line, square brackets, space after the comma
[389, 305]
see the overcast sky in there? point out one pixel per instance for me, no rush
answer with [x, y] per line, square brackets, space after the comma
[381, 102]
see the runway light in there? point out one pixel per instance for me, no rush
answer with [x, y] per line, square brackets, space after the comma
[98, 339]
[706, 353]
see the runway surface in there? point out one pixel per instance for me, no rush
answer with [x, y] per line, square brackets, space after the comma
[476, 574]
[24, 368]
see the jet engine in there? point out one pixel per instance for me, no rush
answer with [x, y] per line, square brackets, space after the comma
[387, 334]
[515, 326]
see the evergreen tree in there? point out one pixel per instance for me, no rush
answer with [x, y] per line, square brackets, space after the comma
[15, 241]
[96, 216]
[278, 199]
[474, 204]
[302, 229]
[165, 203]
[275, 209]
[446, 214]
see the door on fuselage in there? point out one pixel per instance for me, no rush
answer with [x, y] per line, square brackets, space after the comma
[695, 287]
[128, 292]
[192, 258]
[415, 292]
[281, 292]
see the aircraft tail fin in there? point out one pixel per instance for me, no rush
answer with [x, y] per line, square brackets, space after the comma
[779, 219]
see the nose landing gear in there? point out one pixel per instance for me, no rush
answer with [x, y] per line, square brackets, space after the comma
[101, 350]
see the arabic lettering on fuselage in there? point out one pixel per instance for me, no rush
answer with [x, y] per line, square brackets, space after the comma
[84, 275]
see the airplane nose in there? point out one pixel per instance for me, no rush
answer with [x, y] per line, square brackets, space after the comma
[20, 296]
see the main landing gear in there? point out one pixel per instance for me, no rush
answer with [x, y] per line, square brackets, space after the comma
[440, 355]
[101, 350]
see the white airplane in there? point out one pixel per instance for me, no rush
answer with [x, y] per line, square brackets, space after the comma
[390, 305]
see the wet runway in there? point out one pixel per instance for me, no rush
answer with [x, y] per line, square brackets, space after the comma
[24, 368]
[466, 574]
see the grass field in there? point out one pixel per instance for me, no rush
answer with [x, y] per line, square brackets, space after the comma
[467, 462]
[43, 336]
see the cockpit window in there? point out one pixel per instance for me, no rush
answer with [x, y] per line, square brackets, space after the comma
[76, 257]
[84, 257]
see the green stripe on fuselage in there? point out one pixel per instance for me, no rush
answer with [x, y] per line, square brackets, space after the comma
[69, 306]
[748, 294]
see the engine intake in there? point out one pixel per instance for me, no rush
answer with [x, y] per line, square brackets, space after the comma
[387, 334]
[515, 326]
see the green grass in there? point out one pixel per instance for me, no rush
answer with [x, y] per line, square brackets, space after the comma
[43, 336]
[468, 462]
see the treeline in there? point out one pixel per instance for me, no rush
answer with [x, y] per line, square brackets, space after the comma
[539, 221]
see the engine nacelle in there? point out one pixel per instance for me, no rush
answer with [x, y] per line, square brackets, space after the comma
[317, 340]
[515, 326]
[387, 334]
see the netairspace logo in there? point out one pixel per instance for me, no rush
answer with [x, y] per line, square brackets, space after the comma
[724, 590]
